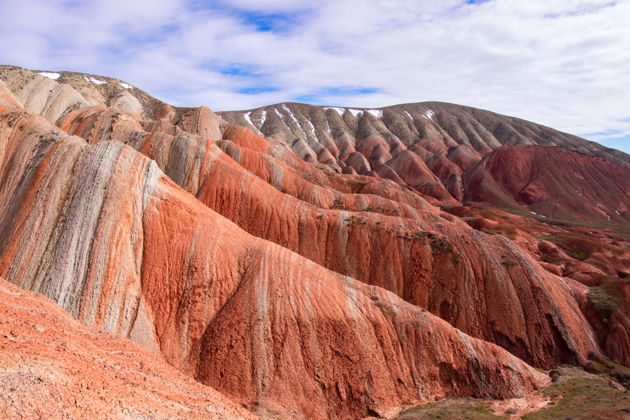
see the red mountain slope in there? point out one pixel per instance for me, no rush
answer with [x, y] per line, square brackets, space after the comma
[294, 289]
[117, 244]
[553, 182]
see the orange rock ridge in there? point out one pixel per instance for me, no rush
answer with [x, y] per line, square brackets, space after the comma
[236, 260]
[120, 246]
[481, 284]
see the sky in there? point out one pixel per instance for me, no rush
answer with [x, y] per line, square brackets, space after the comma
[562, 63]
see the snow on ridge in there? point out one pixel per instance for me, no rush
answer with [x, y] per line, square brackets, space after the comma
[288, 111]
[125, 85]
[95, 81]
[378, 113]
[248, 119]
[339, 110]
[50, 75]
[295, 120]
[310, 124]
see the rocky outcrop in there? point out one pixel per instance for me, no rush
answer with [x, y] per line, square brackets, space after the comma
[441, 265]
[54, 94]
[101, 231]
[447, 138]
[52, 366]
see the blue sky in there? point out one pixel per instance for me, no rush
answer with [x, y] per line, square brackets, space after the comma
[562, 63]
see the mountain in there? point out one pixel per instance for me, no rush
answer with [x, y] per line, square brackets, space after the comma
[426, 146]
[298, 287]
[393, 141]
[311, 129]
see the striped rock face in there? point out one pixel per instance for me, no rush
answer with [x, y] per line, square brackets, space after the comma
[369, 230]
[101, 231]
[292, 289]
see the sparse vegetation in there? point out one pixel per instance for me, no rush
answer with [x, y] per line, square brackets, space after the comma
[451, 408]
[601, 365]
[574, 394]
[356, 220]
[339, 203]
[438, 244]
[579, 395]
[447, 216]
[577, 245]
[606, 297]
[442, 245]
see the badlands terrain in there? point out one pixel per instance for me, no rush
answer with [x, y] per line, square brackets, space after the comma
[298, 261]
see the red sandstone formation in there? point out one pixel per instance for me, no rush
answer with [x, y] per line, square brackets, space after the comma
[251, 268]
[121, 247]
[426, 259]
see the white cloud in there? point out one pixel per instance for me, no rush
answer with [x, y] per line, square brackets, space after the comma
[563, 63]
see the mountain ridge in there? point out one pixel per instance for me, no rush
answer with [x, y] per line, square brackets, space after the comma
[249, 268]
[616, 155]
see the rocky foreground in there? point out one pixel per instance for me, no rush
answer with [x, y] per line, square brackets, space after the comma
[52, 366]
[296, 289]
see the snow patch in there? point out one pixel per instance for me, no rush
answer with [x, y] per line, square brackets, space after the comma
[279, 114]
[376, 112]
[355, 112]
[340, 111]
[295, 120]
[429, 114]
[125, 85]
[409, 115]
[53, 76]
[263, 118]
[288, 111]
[310, 124]
[248, 119]
[95, 81]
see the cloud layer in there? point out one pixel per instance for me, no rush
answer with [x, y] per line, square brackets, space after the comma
[563, 63]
